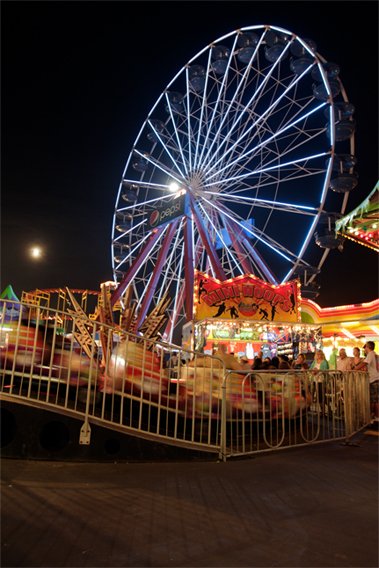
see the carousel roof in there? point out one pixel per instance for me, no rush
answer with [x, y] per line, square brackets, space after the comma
[362, 224]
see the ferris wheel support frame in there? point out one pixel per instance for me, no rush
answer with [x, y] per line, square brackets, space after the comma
[211, 251]
[157, 271]
[243, 259]
[136, 265]
[172, 321]
[188, 266]
[257, 257]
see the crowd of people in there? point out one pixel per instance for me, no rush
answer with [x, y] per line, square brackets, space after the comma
[343, 364]
[369, 363]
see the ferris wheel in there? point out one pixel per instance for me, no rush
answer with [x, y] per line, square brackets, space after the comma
[243, 157]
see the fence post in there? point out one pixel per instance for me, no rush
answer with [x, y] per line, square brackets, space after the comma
[352, 400]
[85, 431]
[222, 454]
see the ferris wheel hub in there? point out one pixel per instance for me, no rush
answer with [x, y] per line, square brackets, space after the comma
[196, 181]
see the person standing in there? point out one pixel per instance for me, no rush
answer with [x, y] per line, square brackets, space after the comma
[173, 365]
[300, 363]
[245, 363]
[343, 362]
[320, 364]
[372, 362]
[229, 359]
[356, 358]
[258, 364]
[333, 359]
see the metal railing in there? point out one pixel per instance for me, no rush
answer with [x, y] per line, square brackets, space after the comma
[280, 409]
[102, 375]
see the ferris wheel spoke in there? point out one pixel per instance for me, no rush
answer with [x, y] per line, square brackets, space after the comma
[270, 180]
[179, 146]
[260, 271]
[263, 170]
[314, 223]
[230, 106]
[305, 171]
[164, 146]
[133, 251]
[146, 184]
[253, 99]
[253, 254]
[270, 109]
[203, 106]
[280, 132]
[219, 236]
[304, 245]
[243, 258]
[141, 205]
[158, 165]
[143, 293]
[220, 94]
[308, 139]
[265, 203]
[257, 234]
[188, 122]
[130, 231]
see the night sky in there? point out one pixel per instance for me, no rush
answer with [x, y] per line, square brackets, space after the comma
[78, 80]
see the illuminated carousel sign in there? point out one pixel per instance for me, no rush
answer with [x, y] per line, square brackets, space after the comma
[245, 298]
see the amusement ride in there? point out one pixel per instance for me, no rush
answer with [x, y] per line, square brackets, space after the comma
[245, 160]
[232, 196]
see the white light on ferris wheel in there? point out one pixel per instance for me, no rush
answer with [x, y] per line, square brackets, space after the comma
[173, 187]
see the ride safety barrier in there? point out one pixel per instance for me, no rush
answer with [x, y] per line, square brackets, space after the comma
[102, 375]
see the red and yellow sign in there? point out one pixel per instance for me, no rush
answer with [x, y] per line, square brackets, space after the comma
[245, 297]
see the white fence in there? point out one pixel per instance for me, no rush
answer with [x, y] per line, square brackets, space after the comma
[290, 408]
[138, 387]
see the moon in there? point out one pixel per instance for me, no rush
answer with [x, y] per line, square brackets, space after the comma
[36, 252]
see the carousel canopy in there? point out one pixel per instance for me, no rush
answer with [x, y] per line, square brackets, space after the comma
[9, 294]
[10, 306]
[362, 224]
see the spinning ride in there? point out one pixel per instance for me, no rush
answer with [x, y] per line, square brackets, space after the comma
[232, 169]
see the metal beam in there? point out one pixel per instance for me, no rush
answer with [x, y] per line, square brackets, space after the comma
[157, 272]
[172, 321]
[211, 251]
[148, 246]
[188, 266]
[242, 256]
[270, 276]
